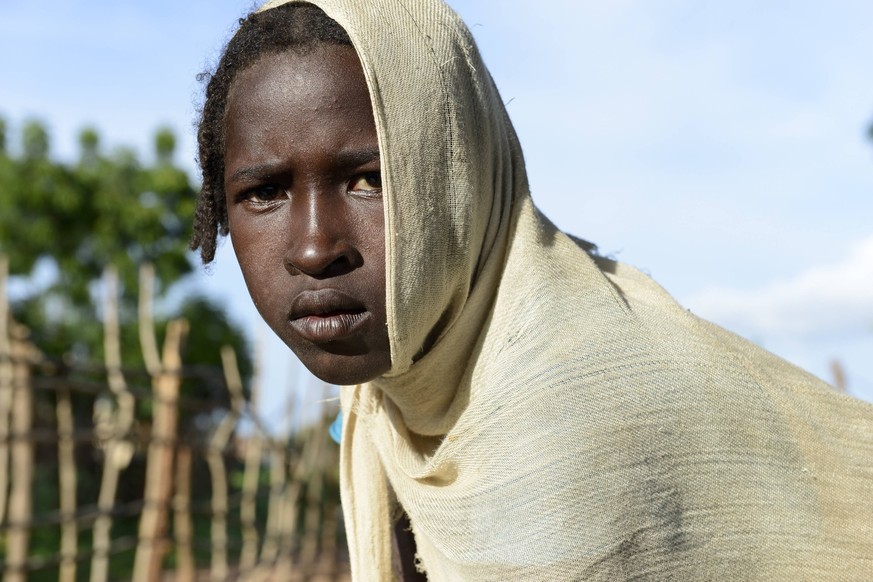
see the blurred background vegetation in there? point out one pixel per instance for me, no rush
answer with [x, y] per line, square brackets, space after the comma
[62, 225]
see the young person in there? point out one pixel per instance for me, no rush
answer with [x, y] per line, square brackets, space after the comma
[539, 412]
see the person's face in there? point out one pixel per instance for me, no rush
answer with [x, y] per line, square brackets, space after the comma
[304, 206]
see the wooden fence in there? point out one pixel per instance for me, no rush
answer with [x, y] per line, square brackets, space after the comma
[109, 473]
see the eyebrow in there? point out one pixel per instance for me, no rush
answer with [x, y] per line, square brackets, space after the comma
[353, 158]
[254, 172]
[344, 159]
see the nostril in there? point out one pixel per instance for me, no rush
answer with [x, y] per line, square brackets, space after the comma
[322, 262]
[340, 266]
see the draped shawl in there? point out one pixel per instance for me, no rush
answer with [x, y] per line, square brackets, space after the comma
[551, 415]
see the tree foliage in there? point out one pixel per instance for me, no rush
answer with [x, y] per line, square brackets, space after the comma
[72, 220]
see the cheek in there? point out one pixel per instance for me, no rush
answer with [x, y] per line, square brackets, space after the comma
[373, 233]
[257, 238]
[258, 247]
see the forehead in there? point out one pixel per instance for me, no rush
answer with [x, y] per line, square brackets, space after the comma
[325, 77]
[317, 96]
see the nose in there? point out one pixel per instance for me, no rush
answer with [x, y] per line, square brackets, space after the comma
[320, 245]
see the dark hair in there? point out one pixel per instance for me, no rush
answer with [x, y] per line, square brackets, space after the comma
[293, 26]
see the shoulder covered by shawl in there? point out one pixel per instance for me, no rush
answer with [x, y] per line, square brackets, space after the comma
[549, 415]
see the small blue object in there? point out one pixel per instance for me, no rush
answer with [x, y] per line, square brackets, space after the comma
[336, 428]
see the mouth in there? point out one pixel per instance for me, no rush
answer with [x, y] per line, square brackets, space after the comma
[327, 315]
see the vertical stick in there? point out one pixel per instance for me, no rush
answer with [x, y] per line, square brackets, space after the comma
[165, 388]
[182, 523]
[284, 505]
[328, 541]
[287, 525]
[159, 468]
[103, 523]
[5, 385]
[248, 505]
[251, 473]
[279, 510]
[21, 493]
[217, 470]
[67, 486]
[275, 509]
[329, 465]
[117, 451]
[147, 339]
[275, 555]
[312, 470]
[218, 527]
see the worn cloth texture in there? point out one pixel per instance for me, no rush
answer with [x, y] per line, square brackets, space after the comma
[551, 415]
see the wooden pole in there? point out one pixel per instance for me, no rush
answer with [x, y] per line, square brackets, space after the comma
[6, 390]
[248, 505]
[159, 460]
[313, 474]
[183, 530]
[276, 504]
[217, 471]
[67, 486]
[113, 428]
[21, 492]
[159, 464]
[254, 450]
[147, 338]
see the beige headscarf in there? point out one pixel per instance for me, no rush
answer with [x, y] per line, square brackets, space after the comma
[550, 416]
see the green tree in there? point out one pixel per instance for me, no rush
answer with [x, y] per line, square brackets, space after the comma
[74, 220]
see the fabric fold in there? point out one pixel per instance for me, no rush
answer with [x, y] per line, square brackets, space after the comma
[553, 415]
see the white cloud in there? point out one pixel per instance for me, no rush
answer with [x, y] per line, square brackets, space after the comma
[832, 299]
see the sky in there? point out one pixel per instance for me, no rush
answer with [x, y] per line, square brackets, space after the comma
[718, 146]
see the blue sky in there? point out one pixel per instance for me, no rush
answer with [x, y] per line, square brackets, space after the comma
[719, 146]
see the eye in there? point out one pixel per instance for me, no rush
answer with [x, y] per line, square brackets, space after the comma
[264, 194]
[367, 184]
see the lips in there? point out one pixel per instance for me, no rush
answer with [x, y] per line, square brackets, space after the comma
[327, 315]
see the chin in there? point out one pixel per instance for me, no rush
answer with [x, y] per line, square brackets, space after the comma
[345, 370]
[341, 377]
